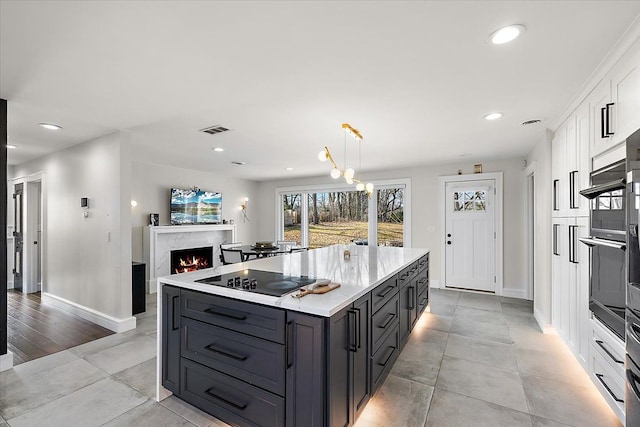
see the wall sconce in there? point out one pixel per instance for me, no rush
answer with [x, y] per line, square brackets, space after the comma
[243, 208]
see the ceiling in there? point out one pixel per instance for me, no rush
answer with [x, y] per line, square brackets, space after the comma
[414, 77]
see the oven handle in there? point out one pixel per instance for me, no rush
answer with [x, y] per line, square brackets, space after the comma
[590, 241]
[596, 190]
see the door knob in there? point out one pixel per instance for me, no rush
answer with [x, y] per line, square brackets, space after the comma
[448, 242]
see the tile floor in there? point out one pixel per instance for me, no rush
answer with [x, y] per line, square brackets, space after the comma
[474, 360]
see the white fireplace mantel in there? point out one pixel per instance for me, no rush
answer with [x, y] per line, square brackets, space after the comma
[159, 241]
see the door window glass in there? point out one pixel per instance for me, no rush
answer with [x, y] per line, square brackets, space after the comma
[339, 217]
[291, 217]
[469, 201]
[390, 216]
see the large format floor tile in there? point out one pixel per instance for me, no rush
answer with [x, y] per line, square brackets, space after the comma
[567, 403]
[399, 402]
[126, 355]
[480, 301]
[490, 353]
[141, 377]
[482, 324]
[93, 405]
[434, 321]
[150, 414]
[190, 413]
[452, 409]
[482, 382]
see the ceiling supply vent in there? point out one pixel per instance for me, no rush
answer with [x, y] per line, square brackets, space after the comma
[212, 130]
[238, 163]
[530, 122]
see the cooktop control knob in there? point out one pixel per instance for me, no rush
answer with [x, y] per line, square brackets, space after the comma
[253, 283]
[245, 284]
[237, 281]
[230, 283]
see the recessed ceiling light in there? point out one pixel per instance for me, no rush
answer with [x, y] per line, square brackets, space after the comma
[238, 163]
[50, 126]
[218, 149]
[506, 34]
[289, 169]
[11, 146]
[493, 116]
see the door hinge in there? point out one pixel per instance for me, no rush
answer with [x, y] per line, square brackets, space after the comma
[15, 195]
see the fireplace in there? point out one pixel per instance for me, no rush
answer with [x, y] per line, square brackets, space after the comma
[185, 260]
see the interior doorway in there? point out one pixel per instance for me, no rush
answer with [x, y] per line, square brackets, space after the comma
[472, 232]
[530, 209]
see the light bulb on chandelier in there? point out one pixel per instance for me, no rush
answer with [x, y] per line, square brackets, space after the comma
[335, 173]
[360, 186]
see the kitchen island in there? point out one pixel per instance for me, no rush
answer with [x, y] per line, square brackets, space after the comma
[254, 359]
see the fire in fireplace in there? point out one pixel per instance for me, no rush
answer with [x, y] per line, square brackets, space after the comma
[185, 260]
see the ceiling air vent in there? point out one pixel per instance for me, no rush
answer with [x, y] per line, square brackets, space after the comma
[530, 122]
[212, 130]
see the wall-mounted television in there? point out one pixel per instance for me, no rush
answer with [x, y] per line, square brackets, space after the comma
[190, 206]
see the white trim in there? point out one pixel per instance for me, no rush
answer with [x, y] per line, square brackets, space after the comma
[498, 177]
[531, 241]
[97, 317]
[6, 361]
[315, 188]
[514, 293]
[546, 329]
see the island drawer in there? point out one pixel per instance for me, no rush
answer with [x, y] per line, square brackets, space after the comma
[407, 274]
[253, 319]
[423, 281]
[230, 399]
[423, 262]
[423, 300]
[383, 359]
[250, 359]
[383, 293]
[384, 321]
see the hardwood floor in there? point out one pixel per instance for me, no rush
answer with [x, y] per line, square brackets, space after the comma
[35, 330]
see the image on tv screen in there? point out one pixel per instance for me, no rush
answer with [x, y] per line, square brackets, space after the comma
[195, 207]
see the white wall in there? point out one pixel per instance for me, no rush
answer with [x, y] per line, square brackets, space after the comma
[87, 261]
[151, 188]
[426, 211]
[541, 155]
[10, 173]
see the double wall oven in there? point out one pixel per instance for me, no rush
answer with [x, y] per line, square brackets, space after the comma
[608, 245]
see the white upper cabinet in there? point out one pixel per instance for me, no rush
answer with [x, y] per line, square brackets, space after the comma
[583, 159]
[559, 175]
[615, 103]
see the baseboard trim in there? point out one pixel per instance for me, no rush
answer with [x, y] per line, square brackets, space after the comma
[6, 361]
[546, 329]
[514, 293]
[97, 317]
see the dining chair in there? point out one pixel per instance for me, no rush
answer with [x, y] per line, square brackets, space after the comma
[230, 253]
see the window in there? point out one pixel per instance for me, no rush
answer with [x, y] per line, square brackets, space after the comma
[469, 201]
[390, 213]
[337, 214]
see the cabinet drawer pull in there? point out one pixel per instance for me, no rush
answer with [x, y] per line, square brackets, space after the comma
[423, 280]
[228, 354]
[603, 119]
[389, 320]
[386, 291]
[386, 360]
[607, 132]
[412, 298]
[351, 331]
[239, 406]
[611, 355]
[223, 314]
[405, 275]
[604, 384]
[424, 301]
[358, 327]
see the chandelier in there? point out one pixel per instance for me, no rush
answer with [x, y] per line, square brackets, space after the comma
[347, 173]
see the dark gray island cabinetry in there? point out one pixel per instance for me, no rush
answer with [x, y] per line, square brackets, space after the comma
[251, 364]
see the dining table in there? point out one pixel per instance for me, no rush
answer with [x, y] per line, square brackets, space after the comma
[261, 252]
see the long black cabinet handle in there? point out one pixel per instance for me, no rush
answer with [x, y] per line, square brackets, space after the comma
[388, 322]
[604, 384]
[289, 343]
[572, 190]
[351, 333]
[555, 239]
[226, 353]
[225, 314]
[386, 291]
[386, 360]
[424, 279]
[358, 327]
[175, 318]
[556, 184]
[607, 106]
[603, 119]
[412, 298]
[239, 406]
[611, 355]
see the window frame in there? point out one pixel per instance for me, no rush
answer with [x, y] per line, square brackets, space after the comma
[305, 190]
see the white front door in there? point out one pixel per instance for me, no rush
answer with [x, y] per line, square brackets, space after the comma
[470, 249]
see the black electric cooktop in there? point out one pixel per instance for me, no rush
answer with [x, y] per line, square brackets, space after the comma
[258, 281]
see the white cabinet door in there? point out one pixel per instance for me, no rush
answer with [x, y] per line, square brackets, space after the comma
[625, 92]
[560, 275]
[559, 191]
[582, 286]
[583, 159]
[598, 100]
[570, 166]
